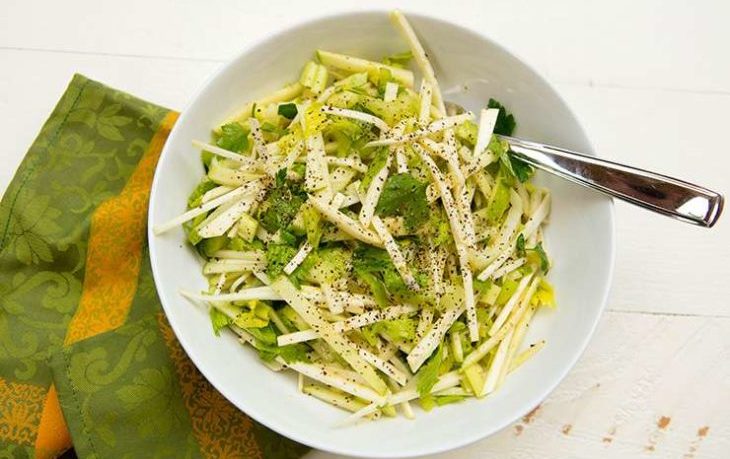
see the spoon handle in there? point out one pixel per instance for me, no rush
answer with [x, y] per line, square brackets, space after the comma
[665, 195]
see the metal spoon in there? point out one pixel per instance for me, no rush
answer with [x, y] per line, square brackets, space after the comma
[662, 194]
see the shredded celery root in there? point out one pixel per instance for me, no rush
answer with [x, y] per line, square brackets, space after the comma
[357, 234]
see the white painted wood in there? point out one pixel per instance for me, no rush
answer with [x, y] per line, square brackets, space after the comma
[648, 43]
[650, 81]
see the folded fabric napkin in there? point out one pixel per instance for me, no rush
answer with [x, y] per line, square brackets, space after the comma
[86, 354]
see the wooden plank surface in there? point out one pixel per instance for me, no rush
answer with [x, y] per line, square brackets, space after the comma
[650, 82]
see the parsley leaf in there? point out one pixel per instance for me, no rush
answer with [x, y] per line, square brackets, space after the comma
[520, 245]
[536, 254]
[514, 167]
[521, 169]
[368, 263]
[281, 204]
[542, 257]
[288, 111]
[233, 137]
[374, 267]
[506, 123]
[404, 195]
[509, 164]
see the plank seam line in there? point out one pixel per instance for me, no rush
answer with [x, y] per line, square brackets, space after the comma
[669, 314]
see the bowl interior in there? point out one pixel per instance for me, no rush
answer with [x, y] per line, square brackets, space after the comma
[471, 69]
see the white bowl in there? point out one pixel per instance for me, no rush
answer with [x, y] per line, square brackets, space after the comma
[579, 236]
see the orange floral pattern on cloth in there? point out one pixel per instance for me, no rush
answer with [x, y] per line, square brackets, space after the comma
[115, 247]
[221, 429]
[20, 411]
[53, 436]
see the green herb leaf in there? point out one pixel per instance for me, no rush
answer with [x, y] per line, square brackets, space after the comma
[520, 245]
[404, 195]
[281, 203]
[233, 137]
[541, 257]
[287, 238]
[506, 123]
[371, 265]
[288, 111]
[521, 169]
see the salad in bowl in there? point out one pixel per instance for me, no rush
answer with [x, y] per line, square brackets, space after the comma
[359, 233]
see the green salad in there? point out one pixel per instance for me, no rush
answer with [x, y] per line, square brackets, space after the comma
[359, 233]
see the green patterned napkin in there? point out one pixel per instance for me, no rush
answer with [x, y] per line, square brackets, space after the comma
[86, 354]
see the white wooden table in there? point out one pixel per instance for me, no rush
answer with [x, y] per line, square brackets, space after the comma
[650, 80]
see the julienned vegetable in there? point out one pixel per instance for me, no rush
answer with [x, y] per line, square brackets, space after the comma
[357, 234]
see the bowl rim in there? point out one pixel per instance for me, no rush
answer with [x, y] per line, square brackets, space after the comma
[457, 442]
